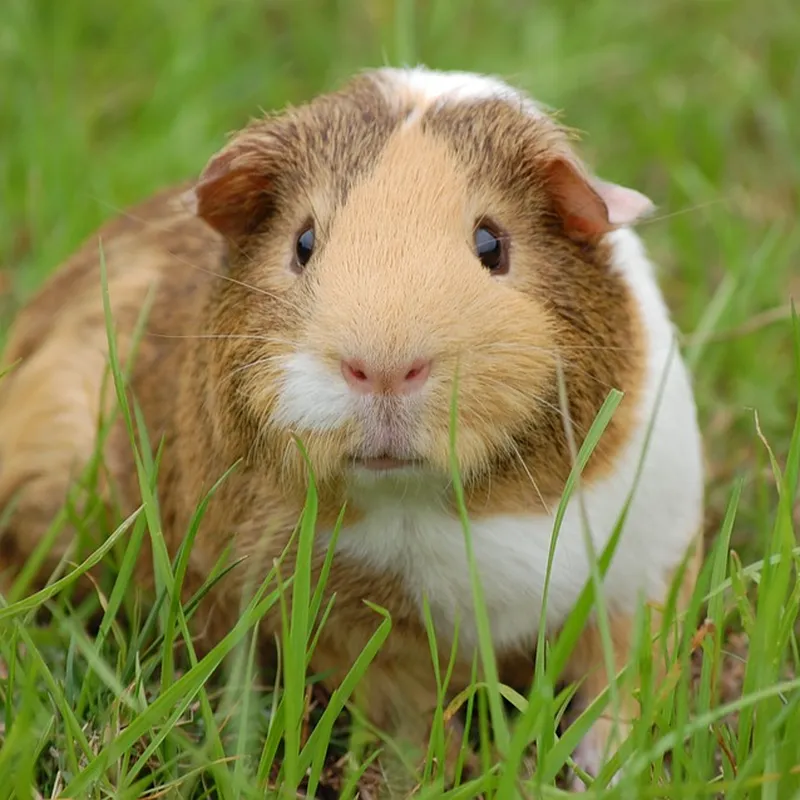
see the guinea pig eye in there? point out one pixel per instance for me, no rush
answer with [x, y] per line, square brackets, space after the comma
[304, 246]
[491, 249]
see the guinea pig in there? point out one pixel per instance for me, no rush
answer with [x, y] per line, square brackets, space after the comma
[411, 250]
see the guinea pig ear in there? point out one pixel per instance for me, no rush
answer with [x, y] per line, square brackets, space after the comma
[231, 194]
[588, 206]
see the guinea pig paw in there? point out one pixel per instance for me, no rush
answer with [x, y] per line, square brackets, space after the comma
[591, 755]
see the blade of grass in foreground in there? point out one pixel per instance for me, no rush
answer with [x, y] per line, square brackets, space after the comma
[71, 723]
[316, 600]
[295, 639]
[181, 564]
[767, 640]
[176, 698]
[245, 712]
[485, 644]
[599, 605]
[133, 547]
[712, 649]
[146, 469]
[34, 601]
[16, 736]
[436, 752]
[36, 559]
[143, 461]
[528, 725]
[598, 571]
[576, 620]
[314, 751]
[777, 605]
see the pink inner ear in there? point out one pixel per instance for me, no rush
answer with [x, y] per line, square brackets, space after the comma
[190, 201]
[590, 207]
[625, 206]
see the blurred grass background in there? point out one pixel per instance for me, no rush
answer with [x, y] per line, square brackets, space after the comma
[694, 102]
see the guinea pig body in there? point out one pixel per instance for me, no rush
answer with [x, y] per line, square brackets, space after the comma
[346, 268]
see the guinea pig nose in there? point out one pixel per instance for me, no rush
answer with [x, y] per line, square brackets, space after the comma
[368, 379]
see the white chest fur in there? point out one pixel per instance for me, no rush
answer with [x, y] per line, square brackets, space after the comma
[425, 546]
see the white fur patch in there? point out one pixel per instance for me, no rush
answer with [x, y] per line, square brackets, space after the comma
[311, 397]
[433, 86]
[418, 540]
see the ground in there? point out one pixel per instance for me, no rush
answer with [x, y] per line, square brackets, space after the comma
[695, 104]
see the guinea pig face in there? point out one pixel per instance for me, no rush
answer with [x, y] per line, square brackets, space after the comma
[413, 240]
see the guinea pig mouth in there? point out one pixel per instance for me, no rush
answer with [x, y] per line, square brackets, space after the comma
[385, 463]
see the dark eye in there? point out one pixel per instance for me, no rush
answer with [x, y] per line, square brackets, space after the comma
[491, 250]
[304, 247]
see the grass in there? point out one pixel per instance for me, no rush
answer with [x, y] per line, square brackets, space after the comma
[695, 104]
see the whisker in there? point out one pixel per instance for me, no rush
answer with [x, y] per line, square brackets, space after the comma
[554, 350]
[571, 366]
[286, 461]
[536, 399]
[243, 368]
[127, 214]
[254, 337]
[530, 477]
[681, 212]
[243, 284]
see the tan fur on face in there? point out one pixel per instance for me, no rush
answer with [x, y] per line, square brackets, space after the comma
[398, 280]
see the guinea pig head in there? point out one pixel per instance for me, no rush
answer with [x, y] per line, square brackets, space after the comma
[404, 253]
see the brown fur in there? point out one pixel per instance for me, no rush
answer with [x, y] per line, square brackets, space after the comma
[394, 276]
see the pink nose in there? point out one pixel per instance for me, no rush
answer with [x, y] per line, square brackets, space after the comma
[366, 379]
